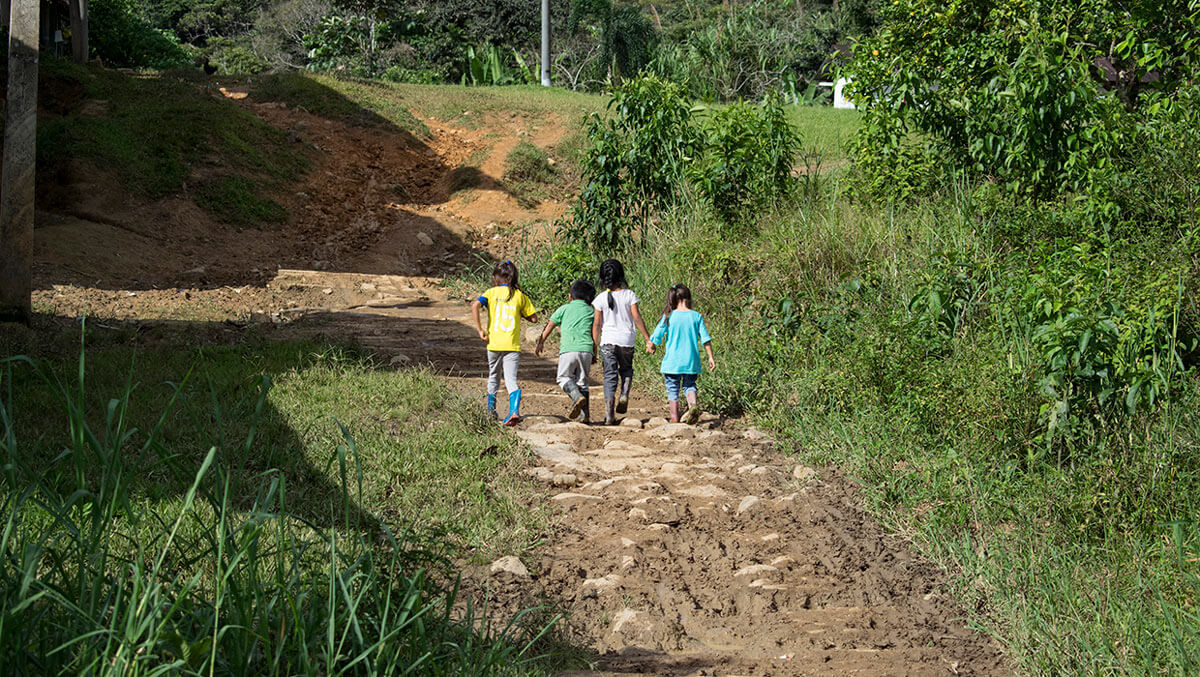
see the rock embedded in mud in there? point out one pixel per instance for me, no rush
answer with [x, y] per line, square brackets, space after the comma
[424, 239]
[593, 587]
[638, 514]
[656, 422]
[749, 505]
[631, 423]
[673, 430]
[564, 480]
[510, 564]
[755, 572]
[805, 474]
[756, 435]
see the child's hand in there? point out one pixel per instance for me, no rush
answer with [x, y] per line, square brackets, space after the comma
[538, 350]
[650, 348]
[712, 364]
[483, 334]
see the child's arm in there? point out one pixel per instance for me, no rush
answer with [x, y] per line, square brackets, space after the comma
[597, 323]
[475, 306]
[542, 339]
[712, 364]
[660, 334]
[637, 321]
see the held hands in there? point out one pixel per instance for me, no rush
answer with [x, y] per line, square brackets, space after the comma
[650, 347]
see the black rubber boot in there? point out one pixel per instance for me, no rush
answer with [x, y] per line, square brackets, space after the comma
[610, 404]
[577, 401]
[587, 410]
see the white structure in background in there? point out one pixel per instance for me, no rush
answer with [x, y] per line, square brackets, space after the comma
[839, 99]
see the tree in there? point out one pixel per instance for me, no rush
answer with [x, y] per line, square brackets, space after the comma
[17, 173]
[1037, 95]
[79, 30]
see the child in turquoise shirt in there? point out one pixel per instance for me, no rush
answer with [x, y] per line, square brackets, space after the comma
[684, 332]
[576, 350]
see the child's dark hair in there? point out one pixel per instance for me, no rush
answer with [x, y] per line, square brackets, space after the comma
[677, 293]
[583, 290]
[506, 273]
[612, 276]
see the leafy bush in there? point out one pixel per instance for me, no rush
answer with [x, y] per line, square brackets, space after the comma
[635, 163]
[120, 36]
[746, 158]
[490, 66]
[527, 162]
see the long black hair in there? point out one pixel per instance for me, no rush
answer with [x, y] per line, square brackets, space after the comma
[612, 276]
[677, 293]
[506, 273]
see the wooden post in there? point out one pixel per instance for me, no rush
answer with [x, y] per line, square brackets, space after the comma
[17, 171]
[79, 30]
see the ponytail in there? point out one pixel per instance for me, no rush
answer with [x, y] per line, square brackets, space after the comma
[506, 274]
[612, 276]
[677, 293]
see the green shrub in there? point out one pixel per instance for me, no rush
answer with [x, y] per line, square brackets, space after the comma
[527, 162]
[746, 159]
[120, 36]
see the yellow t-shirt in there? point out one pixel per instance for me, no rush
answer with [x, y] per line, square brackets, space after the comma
[504, 317]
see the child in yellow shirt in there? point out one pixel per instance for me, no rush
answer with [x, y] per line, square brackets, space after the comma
[506, 305]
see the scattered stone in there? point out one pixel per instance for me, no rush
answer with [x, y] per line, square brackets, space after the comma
[746, 468]
[564, 480]
[627, 542]
[676, 430]
[424, 239]
[368, 287]
[400, 359]
[770, 538]
[327, 291]
[512, 565]
[749, 505]
[540, 474]
[568, 496]
[805, 474]
[782, 560]
[703, 491]
[755, 435]
[656, 422]
[592, 587]
[755, 571]
[631, 423]
[627, 562]
[638, 514]
[761, 471]
[658, 526]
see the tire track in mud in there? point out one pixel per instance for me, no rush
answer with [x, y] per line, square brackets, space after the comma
[680, 549]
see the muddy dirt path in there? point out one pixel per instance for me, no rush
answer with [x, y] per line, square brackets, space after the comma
[682, 549]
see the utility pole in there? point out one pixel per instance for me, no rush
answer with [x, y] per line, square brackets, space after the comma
[545, 43]
[17, 171]
[79, 30]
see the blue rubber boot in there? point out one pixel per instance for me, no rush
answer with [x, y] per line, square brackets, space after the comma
[514, 408]
[491, 404]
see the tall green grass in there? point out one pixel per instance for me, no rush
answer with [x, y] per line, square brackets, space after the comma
[1079, 550]
[129, 549]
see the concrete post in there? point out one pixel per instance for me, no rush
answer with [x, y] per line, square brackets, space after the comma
[545, 43]
[17, 171]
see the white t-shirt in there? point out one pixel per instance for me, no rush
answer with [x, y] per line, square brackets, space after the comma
[618, 328]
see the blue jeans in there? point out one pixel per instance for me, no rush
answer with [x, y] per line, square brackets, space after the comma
[679, 382]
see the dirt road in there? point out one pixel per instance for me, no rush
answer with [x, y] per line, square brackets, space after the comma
[684, 549]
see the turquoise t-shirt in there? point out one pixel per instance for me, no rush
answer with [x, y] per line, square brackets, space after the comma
[575, 321]
[684, 335]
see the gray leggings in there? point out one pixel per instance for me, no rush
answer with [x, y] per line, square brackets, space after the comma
[508, 361]
[618, 363]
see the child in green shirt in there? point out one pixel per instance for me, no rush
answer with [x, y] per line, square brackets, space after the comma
[576, 350]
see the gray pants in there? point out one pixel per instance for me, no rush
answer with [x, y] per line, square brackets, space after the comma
[618, 364]
[508, 361]
[573, 371]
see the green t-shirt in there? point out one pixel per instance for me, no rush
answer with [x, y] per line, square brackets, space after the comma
[575, 320]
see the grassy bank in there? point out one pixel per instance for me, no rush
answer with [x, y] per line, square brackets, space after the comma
[898, 346]
[282, 509]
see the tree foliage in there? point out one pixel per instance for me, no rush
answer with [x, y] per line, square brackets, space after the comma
[1039, 95]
